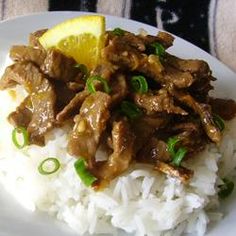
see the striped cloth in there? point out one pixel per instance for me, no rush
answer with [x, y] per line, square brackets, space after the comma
[209, 24]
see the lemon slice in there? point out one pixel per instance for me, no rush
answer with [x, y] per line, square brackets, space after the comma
[81, 38]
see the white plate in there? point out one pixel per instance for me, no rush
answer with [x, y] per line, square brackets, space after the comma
[14, 220]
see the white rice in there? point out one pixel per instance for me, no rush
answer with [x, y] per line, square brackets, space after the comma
[141, 202]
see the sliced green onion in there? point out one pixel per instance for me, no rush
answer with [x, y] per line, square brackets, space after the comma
[49, 166]
[225, 189]
[24, 137]
[130, 110]
[139, 84]
[219, 122]
[171, 145]
[177, 156]
[159, 49]
[118, 32]
[86, 177]
[91, 87]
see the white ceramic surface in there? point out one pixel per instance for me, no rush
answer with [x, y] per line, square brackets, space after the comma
[16, 221]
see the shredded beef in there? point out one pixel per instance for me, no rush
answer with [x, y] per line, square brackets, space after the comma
[41, 100]
[90, 123]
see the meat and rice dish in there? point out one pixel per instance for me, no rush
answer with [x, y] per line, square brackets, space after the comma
[140, 105]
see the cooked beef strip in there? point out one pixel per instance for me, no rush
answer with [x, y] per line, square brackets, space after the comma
[129, 38]
[72, 108]
[203, 110]
[161, 101]
[198, 68]
[34, 38]
[225, 108]
[192, 141]
[42, 96]
[165, 38]
[120, 159]
[52, 62]
[119, 89]
[26, 53]
[127, 57]
[76, 86]
[156, 121]
[141, 41]
[200, 89]
[181, 173]
[200, 72]
[105, 70]
[59, 66]
[6, 82]
[190, 136]
[43, 117]
[89, 126]
[23, 114]
[26, 74]
[63, 94]
[133, 40]
[184, 126]
[155, 150]
[162, 37]
[144, 128]
[178, 78]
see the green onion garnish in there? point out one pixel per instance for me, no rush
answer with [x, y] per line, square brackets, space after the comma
[49, 166]
[219, 122]
[86, 177]
[130, 110]
[139, 84]
[24, 137]
[91, 87]
[171, 145]
[225, 189]
[118, 32]
[177, 156]
[159, 49]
